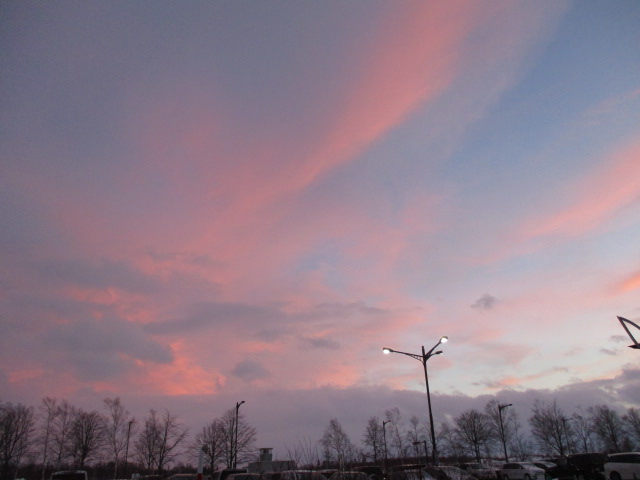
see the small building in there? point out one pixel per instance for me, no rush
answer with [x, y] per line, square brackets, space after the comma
[266, 463]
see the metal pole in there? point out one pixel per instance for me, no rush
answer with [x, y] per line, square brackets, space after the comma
[126, 451]
[424, 358]
[384, 437]
[504, 442]
[566, 433]
[434, 449]
[235, 450]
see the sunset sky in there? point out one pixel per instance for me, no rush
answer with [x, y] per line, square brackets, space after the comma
[208, 202]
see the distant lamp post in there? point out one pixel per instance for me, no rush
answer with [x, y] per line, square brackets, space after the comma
[504, 441]
[126, 451]
[635, 345]
[423, 442]
[384, 439]
[235, 449]
[423, 359]
[566, 434]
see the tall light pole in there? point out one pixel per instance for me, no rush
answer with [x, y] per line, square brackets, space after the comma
[504, 441]
[424, 358]
[384, 438]
[235, 449]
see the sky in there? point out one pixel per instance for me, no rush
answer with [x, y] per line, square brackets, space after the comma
[209, 202]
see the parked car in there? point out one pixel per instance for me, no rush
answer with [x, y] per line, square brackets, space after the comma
[407, 472]
[301, 475]
[483, 472]
[587, 466]
[520, 471]
[550, 469]
[69, 475]
[327, 472]
[223, 474]
[373, 471]
[270, 476]
[445, 472]
[349, 475]
[623, 466]
[244, 476]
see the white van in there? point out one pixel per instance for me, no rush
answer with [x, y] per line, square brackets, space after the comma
[623, 466]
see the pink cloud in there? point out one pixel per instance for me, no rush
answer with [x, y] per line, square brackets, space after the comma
[596, 198]
[184, 376]
[629, 284]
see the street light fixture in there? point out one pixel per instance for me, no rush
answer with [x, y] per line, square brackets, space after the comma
[384, 438]
[423, 359]
[424, 442]
[566, 433]
[235, 450]
[504, 441]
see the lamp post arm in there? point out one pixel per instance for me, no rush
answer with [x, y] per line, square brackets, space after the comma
[412, 355]
[430, 353]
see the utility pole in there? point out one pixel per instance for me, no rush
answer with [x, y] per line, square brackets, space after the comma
[235, 449]
[504, 440]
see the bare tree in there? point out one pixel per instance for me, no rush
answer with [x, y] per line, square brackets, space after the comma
[213, 439]
[246, 437]
[87, 437]
[146, 444]
[501, 422]
[449, 442]
[159, 442]
[607, 426]
[373, 439]
[228, 421]
[16, 429]
[336, 443]
[583, 431]
[520, 445]
[632, 419]
[415, 436]
[548, 427]
[304, 453]
[116, 430]
[48, 412]
[474, 430]
[62, 424]
[397, 441]
[171, 435]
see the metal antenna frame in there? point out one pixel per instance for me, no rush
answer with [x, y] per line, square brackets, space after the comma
[635, 345]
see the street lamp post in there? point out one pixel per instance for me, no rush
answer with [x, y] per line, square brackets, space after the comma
[423, 359]
[126, 451]
[424, 442]
[504, 441]
[566, 434]
[235, 449]
[384, 438]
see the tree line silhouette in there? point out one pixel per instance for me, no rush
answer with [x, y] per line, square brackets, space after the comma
[111, 443]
